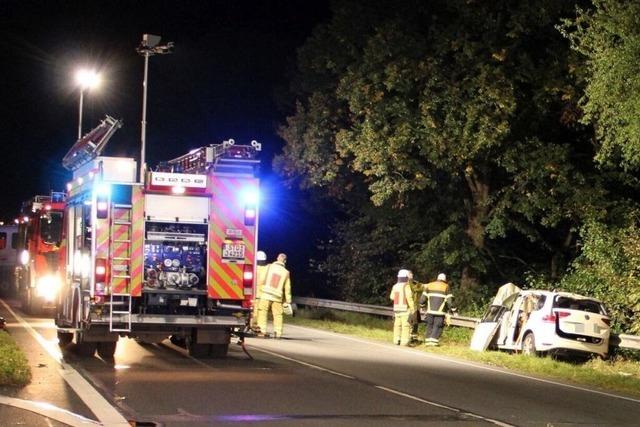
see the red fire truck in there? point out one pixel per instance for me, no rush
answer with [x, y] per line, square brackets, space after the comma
[173, 256]
[39, 236]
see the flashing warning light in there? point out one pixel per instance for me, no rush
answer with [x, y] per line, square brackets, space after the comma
[250, 196]
[47, 207]
[80, 180]
[103, 191]
[17, 221]
[177, 189]
[69, 186]
[25, 219]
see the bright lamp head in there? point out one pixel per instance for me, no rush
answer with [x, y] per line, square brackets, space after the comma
[87, 79]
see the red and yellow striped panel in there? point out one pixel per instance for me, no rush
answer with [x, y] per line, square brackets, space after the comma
[137, 240]
[227, 223]
[102, 238]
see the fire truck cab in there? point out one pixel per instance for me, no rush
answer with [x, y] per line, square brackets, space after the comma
[173, 256]
[39, 237]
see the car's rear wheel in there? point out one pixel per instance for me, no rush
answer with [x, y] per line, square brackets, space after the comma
[529, 345]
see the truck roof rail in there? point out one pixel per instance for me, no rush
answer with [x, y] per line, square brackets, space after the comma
[225, 157]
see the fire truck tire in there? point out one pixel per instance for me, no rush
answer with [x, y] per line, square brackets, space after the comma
[106, 349]
[179, 341]
[218, 350]
[64, 339]
[198, 350]
[85, 349]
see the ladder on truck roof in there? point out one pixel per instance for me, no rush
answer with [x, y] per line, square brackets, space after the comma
[91, 145]
[120, 266]
[226, 157]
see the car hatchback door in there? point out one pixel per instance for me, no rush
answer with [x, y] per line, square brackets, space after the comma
[581, 319]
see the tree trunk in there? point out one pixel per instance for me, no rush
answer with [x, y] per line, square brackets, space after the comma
[477, 212]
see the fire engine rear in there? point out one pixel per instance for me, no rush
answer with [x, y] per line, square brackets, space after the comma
[172, 256]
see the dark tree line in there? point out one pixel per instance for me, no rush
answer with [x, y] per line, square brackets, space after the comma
[482, 139]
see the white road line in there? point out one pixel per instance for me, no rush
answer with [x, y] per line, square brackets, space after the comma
[468, 364]
[309, 365]
[49, 411]
[101, 408]
[419, 399]
[389, 390]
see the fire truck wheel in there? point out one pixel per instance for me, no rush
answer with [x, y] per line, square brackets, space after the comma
[64, 338]
[198, 350]
[179, 341]
[106, 349]
[219, 350]
[85, 349]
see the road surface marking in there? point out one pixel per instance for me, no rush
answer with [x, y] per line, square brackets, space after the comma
[460, 411]
[101, 408]
[468, 364]
[309, 365]
[50, 411]
[389, 390]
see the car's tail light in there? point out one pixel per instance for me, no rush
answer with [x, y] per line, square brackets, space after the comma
[606, 321]
[551, 318]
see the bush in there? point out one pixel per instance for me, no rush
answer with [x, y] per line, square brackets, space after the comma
[608, 269]
[14, 369]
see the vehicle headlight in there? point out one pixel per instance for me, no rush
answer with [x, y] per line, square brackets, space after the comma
[48, 286]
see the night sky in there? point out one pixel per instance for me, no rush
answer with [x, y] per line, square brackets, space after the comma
[231, 58]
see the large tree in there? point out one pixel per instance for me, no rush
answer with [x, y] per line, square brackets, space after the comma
[608, 36]
[463, 105]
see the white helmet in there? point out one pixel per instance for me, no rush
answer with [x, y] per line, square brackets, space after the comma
[403, 273]
[442, 277]
[261, 256]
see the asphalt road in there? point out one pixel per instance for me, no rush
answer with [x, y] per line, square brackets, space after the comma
[318, 378]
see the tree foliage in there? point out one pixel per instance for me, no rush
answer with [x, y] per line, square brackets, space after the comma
[608, 269]
[608, 35]
[446, 132]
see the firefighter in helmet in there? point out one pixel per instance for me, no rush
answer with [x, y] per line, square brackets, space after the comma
[261, 275]
[414, 317]
[434, 299]
[275, 296]
[403, 306]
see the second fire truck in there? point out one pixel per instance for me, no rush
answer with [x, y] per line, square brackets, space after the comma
[39, 237]
[171, 256]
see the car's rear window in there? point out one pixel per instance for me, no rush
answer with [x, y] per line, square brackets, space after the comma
[590, 306]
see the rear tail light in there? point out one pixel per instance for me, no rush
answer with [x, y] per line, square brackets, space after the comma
[551, 318]
[100, 275]
[250, 215]
[247, 276]
[606, 321]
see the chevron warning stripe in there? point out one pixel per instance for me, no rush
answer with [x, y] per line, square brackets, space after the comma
[226, 227]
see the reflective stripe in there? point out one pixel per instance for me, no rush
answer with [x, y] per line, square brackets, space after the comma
[273, 289]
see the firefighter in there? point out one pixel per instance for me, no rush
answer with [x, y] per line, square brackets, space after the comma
[434, 299]
[261, 275]
[414, 317]
[403, 306]
[275, 295]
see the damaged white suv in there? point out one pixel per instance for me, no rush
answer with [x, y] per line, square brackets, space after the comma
[536, 322]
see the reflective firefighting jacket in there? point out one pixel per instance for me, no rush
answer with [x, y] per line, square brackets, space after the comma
[402, 298]
[436, 295]
[277, 285]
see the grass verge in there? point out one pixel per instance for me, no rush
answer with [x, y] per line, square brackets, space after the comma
[14, 368]
[615, 374]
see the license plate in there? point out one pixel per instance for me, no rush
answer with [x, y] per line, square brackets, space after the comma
[232, 252]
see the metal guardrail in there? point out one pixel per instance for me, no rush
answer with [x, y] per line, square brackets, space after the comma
[631, 342]
[462, 321]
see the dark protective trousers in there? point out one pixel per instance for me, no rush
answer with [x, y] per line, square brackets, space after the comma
[434, 323]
